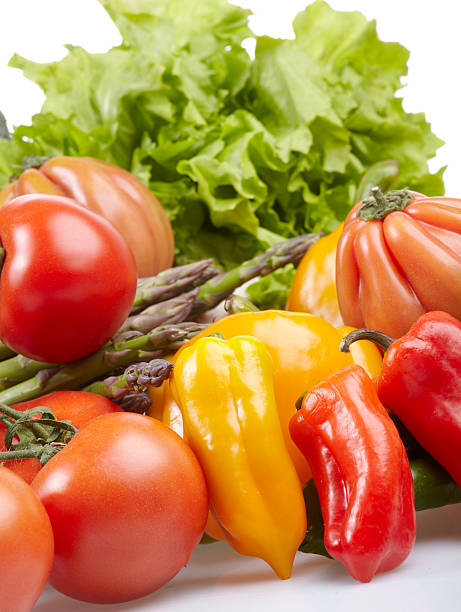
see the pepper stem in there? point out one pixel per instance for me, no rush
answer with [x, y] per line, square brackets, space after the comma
[382, 340]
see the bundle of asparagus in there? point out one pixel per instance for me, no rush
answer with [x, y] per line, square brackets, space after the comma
[162, 320]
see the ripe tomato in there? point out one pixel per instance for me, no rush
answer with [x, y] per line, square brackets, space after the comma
[68, 279]
[26, 544]
[111, 192]
[397, 258]
[79, 407]
[128, 504]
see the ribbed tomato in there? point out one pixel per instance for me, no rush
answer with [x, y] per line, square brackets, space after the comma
[112, 192]
[398, 257]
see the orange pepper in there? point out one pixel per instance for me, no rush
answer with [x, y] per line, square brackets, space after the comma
[305, 351]
[314, 286]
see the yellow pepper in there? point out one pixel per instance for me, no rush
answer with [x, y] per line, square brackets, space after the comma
[226, 394]
[304, 350]
[164, 408]
[314, 285]
[282, 330]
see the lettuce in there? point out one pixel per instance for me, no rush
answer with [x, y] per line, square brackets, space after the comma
[241, 151]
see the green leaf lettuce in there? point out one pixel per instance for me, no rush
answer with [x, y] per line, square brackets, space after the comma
[241, 151]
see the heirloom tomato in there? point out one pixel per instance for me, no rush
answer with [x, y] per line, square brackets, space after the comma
[111, 192]
[399, 256]
[128, 504]
[67, 281]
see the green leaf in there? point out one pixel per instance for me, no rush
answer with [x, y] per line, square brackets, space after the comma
[271, 292]
[241, 152]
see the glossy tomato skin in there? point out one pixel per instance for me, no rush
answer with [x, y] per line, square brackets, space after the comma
[128, 504]
[392, 270]
[26, 544]
[111, 192]
[79, 407]
[68, 279]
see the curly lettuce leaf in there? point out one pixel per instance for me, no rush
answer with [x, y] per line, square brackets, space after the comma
[241, 151]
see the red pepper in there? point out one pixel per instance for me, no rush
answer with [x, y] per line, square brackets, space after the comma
[421, 383]
[361, 472]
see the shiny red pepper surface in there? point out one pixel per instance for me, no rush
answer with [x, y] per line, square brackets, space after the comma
[361, 472]
[421, 383]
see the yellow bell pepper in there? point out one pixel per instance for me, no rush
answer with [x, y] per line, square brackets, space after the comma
[304, 350]
[226, 394]
[314, 285]
[292, 329]
[164, 408]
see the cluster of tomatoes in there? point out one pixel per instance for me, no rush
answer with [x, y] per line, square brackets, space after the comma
[111, 517]
[117, 512]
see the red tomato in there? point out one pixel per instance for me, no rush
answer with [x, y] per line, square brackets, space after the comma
[68, 279]
[26, 544]
[79, 407]
[128, 504]
[111, 192]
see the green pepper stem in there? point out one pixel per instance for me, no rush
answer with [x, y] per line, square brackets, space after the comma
[382, 340]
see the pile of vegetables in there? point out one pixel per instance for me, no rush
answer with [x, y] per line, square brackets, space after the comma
[138, 416]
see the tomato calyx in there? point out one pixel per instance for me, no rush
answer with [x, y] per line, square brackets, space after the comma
[380, 204]
[32, 161]
[33, 433]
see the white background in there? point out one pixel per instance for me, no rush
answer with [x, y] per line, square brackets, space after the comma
[430, 580]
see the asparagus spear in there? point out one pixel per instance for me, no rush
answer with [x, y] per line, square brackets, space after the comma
[13, 371]
[134, 402]
[6, 352]
[152, 290]
[235, 303]
[170, 311]
[137, 378]
[217, 288]
[172, 282]
[113, 355]
[18, 368]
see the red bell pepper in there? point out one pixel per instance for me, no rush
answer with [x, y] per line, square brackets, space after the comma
[421, 383]
[361, 472]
